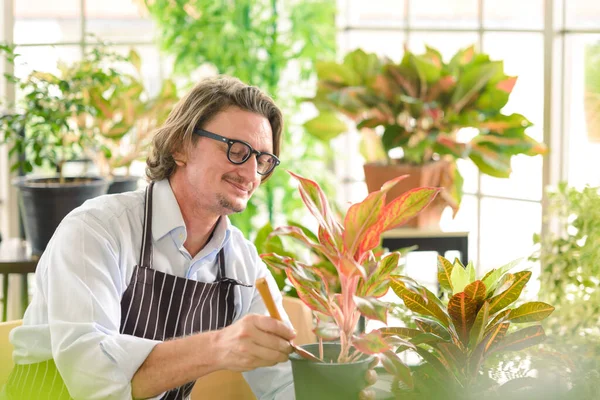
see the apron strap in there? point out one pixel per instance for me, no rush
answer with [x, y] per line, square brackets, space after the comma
[146, 251]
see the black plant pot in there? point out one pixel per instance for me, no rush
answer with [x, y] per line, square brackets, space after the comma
[120, 184]
[328, 380]
[44, 202]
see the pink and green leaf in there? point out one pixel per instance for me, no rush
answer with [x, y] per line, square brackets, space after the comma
[371, 343]
[361, 216]
[327, 330]
[372, 308]
[406, 333]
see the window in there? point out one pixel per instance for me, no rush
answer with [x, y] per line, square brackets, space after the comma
[501, 214]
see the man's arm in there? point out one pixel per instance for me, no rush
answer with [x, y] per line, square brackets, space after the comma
[252, 342]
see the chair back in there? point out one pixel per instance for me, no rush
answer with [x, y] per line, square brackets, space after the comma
[6, 349]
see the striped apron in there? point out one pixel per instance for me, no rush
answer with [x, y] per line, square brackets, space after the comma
[156, 306]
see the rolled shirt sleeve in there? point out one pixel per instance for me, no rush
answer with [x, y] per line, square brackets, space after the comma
[84, 289]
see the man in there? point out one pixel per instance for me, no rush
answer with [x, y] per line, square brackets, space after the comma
[140, 294]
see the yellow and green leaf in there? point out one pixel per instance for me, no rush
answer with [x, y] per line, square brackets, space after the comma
[510, 295]
[531, 312]
[445, 273]
[521, 339]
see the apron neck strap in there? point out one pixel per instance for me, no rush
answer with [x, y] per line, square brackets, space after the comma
[146, 251]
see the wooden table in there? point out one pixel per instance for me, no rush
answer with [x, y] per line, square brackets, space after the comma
[16, 258]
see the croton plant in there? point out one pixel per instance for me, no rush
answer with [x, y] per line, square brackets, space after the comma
[364, 276]
[454, 338]
[419, 105]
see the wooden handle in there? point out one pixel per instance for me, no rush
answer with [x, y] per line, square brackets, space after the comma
[265, 293]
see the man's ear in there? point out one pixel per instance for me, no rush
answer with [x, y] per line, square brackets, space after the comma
[180, 159]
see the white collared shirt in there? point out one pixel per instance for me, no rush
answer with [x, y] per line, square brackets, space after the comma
[75, 314]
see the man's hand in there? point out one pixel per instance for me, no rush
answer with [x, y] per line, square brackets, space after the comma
[252, 342]
[371, 378]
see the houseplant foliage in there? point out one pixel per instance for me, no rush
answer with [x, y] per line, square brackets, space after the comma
[41, 126]
[122, 115]
[592, 90]
[272, 45]
[569, 257]
[454, 338]
[419, 105]
[363, 278]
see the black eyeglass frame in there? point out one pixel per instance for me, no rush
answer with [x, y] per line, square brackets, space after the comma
[231, 142]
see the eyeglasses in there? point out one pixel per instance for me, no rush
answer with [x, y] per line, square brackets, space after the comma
[238, 152]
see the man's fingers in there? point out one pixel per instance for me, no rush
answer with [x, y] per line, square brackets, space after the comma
[366, 394]
[371, 377]
[270, 325]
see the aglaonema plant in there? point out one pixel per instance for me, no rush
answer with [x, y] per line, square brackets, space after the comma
[454, 338]
[363, 276]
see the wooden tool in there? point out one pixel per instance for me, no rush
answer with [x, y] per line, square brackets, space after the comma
[265, 293]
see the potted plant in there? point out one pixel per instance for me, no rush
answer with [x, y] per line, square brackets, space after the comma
[410, 113]
[592, 90]
[363, 278]
[41, 131]
[455, 337]
[122, 115]
[569, 257]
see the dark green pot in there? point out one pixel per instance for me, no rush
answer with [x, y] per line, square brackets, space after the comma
[328, 380]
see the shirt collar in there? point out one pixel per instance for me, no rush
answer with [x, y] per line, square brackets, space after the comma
[166, 217]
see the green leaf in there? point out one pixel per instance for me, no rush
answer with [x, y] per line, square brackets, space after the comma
[492, 278]
[459, 278]
[471, 271]
[510, 295]
[429, 326]
[521, 339]
[392, 364]
[478, 329]
[136, 60]
[445, 273]
[500, 317]
[406, 333]
[372, 308]
[531, 312]
[492, 337]
[416, 303]
[325, 126]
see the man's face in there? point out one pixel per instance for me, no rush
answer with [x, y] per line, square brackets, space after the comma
[214, 182]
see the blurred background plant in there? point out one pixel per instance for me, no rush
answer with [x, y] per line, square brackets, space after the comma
[592, 90]
[272, 45]
[570, 275]
[122, 115]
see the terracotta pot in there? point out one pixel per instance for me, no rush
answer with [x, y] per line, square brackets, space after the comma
[427, 175]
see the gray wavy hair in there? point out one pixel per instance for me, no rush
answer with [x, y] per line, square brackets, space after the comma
[196, 109]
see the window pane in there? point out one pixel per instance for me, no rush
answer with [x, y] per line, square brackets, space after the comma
[517, 14]
[384, 43]
[44, 58]
[446, 43]
[117, 20]
[444, 13]
[465, 221]
[376, 12]
[42, 21]
[582, 14]
[523, 56]
[507, 228]
[582, 108]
